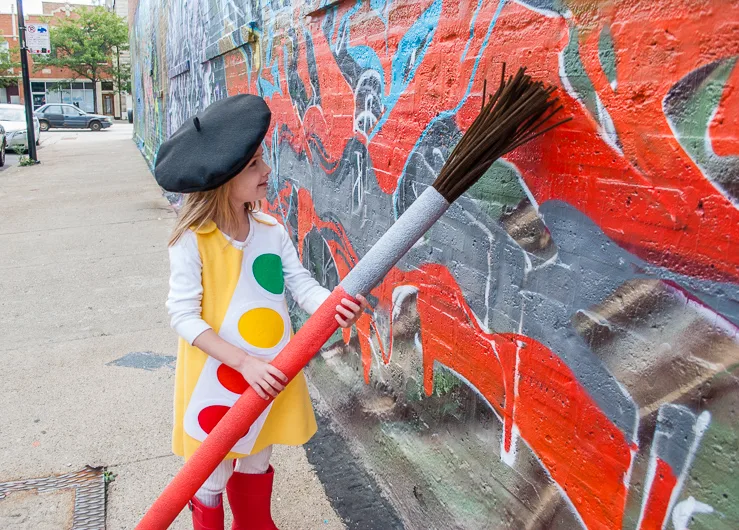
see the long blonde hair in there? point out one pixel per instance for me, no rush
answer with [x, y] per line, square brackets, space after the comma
[203, 206]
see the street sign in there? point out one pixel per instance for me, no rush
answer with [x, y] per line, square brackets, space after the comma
[37, 39]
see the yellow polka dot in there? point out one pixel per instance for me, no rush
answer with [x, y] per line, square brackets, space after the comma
[262, 327]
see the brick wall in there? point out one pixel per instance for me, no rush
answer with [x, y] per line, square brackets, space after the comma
[560, 351]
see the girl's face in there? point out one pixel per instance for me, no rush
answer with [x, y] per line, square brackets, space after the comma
[251, 184]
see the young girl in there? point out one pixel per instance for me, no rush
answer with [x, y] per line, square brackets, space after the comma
[230, 264]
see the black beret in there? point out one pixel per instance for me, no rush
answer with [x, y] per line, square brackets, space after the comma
[214, 146]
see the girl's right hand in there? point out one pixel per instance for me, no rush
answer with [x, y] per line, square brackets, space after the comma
[265, 379]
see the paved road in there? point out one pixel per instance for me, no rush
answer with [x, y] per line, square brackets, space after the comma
[87, 371]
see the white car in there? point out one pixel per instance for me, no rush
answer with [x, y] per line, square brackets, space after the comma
[13, 120]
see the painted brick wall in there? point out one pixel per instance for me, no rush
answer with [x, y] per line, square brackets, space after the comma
[561, 350]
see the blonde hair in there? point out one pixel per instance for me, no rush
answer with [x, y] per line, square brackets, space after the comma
[214, 205]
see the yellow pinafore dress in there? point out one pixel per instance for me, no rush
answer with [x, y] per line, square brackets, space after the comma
[244, 302]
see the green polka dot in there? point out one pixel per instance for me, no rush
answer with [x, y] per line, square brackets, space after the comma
[268, 273]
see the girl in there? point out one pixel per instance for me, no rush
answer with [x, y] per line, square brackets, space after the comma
[230, 264]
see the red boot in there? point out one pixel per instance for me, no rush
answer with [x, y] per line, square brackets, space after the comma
[205, 518]
[250, 498]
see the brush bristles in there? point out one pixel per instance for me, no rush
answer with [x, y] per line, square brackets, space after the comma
[519, 111]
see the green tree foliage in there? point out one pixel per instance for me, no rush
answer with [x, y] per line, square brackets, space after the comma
[8, 63]
[87, 44]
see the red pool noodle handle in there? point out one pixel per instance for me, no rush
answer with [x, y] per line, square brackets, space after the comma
[234, 424]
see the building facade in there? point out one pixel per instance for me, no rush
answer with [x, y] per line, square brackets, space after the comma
[58, 85]
[120, 8]
[561, 350]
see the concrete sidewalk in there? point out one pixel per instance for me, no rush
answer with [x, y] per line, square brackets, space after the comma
[87, 373]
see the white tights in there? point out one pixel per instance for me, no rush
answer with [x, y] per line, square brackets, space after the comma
[210, 492]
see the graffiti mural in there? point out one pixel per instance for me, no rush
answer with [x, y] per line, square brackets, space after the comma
[561, 350]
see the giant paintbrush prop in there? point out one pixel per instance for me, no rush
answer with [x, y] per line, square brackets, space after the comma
[519, 111]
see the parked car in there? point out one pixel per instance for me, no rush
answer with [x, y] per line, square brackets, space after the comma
[13, 121]
[63, 115]
[2, 146]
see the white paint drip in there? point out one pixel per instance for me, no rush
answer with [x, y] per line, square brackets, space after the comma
[473, 388]
[495, 350]
[437, 155]
[521, 182]
[528, 266]
[707, 142]
[595, 317]
[366, 115]
[699, 429]
[417, 342]
[358, 187]
[684, 511]
[627, 476]
[625, 392]
[651, 472]
[607, 129]
[545, 12]
[488, 282]
[552, 261]
[509, 457]
[377, 359]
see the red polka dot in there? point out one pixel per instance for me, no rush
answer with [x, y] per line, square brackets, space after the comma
[231, 379]
[210, 416]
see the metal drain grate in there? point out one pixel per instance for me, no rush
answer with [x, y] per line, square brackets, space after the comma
[89, 498]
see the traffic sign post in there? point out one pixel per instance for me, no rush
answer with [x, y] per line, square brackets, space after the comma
[37, 39]
[30, 131]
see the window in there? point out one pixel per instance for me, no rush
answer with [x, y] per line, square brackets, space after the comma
[53, 97]
[78, 85]
[71, 111]
[4, 46]
[38, 87]
[106, 85]
[57, 85]
[88, 86]
[53, 109]
[10, 114]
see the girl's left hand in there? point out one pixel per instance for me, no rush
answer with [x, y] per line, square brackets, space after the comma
[347, 313]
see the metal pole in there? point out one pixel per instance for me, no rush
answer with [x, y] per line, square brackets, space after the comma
[118, 64]
[30, 131]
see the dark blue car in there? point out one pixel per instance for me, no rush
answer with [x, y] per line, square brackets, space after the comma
[65, 116]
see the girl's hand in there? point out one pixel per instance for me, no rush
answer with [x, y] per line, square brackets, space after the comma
[262, 377]
[347, 313]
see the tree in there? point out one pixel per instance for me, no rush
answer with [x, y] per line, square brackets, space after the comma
[121, 77]
[7, 63]
[86, 44]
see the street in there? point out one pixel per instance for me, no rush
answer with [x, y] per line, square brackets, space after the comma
[89, 355]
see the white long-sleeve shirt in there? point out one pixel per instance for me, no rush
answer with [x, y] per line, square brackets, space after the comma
[186, 287]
